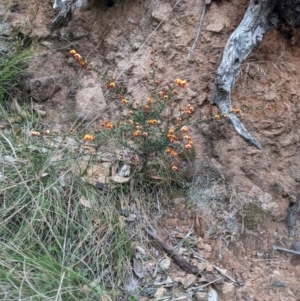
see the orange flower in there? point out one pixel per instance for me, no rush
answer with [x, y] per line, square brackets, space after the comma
[174, 168]
[130, 121]
[174, 154]
[72, 52]
[225, 115]
[186, 137]
[147, 107]
[180, 82]
[130, 112]
[77, 56]
[166, 96]
[111, 85]
[124, 101]
[232, 110]
[168, 150]
[88, 137]
[82, 63]
[137, 133]
[191, 142]
[188, 112]
[145, 134]
[149, 100]
[184, 129]
[34, 133]
[217, 117]
[187, 146]
[171, 131]
[152, 121]
[238, 111]
[47, 132]
[109, 125]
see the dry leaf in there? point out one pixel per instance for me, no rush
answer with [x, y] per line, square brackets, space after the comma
[156, 177]
[119, 179]
[212, 295]
[198, 226]
[85, 202]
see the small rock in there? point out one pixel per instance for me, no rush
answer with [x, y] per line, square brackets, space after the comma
[90, 103]
[140, 250]
[215, 27]
[191, 93]
[189, 280]
[160, 292]
[210, 268]
[161, 12]
[202, 266]
[43, 88]
[207, 248]
[201, 296]
[165, 264]
[228, 291]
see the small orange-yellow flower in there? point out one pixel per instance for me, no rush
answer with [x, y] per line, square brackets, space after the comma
[152, 121]
[130, 121]
[130, 112]
[217, 117]
[232, 109]
[88, 137]
[174, 154]
[149, 100]
[191, 142]
[137, 133]
[147, 107]
[111, 85]
[188, 112]
[171, 131]
[34, 133]
[47, 132]
[184, 129]
[238, 111]
[225, 115]
[145, 134]
[187, 146]
[109, 125]
[124, 101]
[186, 137]
[166, 96]
[72, 52]
[77, 56]
[168, 150]
[174, 168]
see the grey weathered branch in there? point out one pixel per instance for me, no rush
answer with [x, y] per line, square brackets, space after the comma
[258, 19]
[66, 8]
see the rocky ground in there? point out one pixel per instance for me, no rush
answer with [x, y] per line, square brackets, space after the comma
[242, 194]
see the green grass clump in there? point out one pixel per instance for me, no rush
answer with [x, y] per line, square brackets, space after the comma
[52, 246]
[251, 214]
[13, 65]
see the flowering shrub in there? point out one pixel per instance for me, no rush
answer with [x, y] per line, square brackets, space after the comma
[154, 126]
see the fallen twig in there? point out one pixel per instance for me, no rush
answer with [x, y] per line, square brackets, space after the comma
[182, 262]
[286, 250]
[197, 255]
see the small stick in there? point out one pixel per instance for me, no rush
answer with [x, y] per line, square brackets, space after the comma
[182, 262]
[286, 250]
[199, 28]
[197, 255]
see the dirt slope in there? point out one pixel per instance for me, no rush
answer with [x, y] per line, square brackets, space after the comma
[119, 39]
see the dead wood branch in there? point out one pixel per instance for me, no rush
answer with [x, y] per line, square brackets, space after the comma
[182, 262]
[258, 19]
[286, 250]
